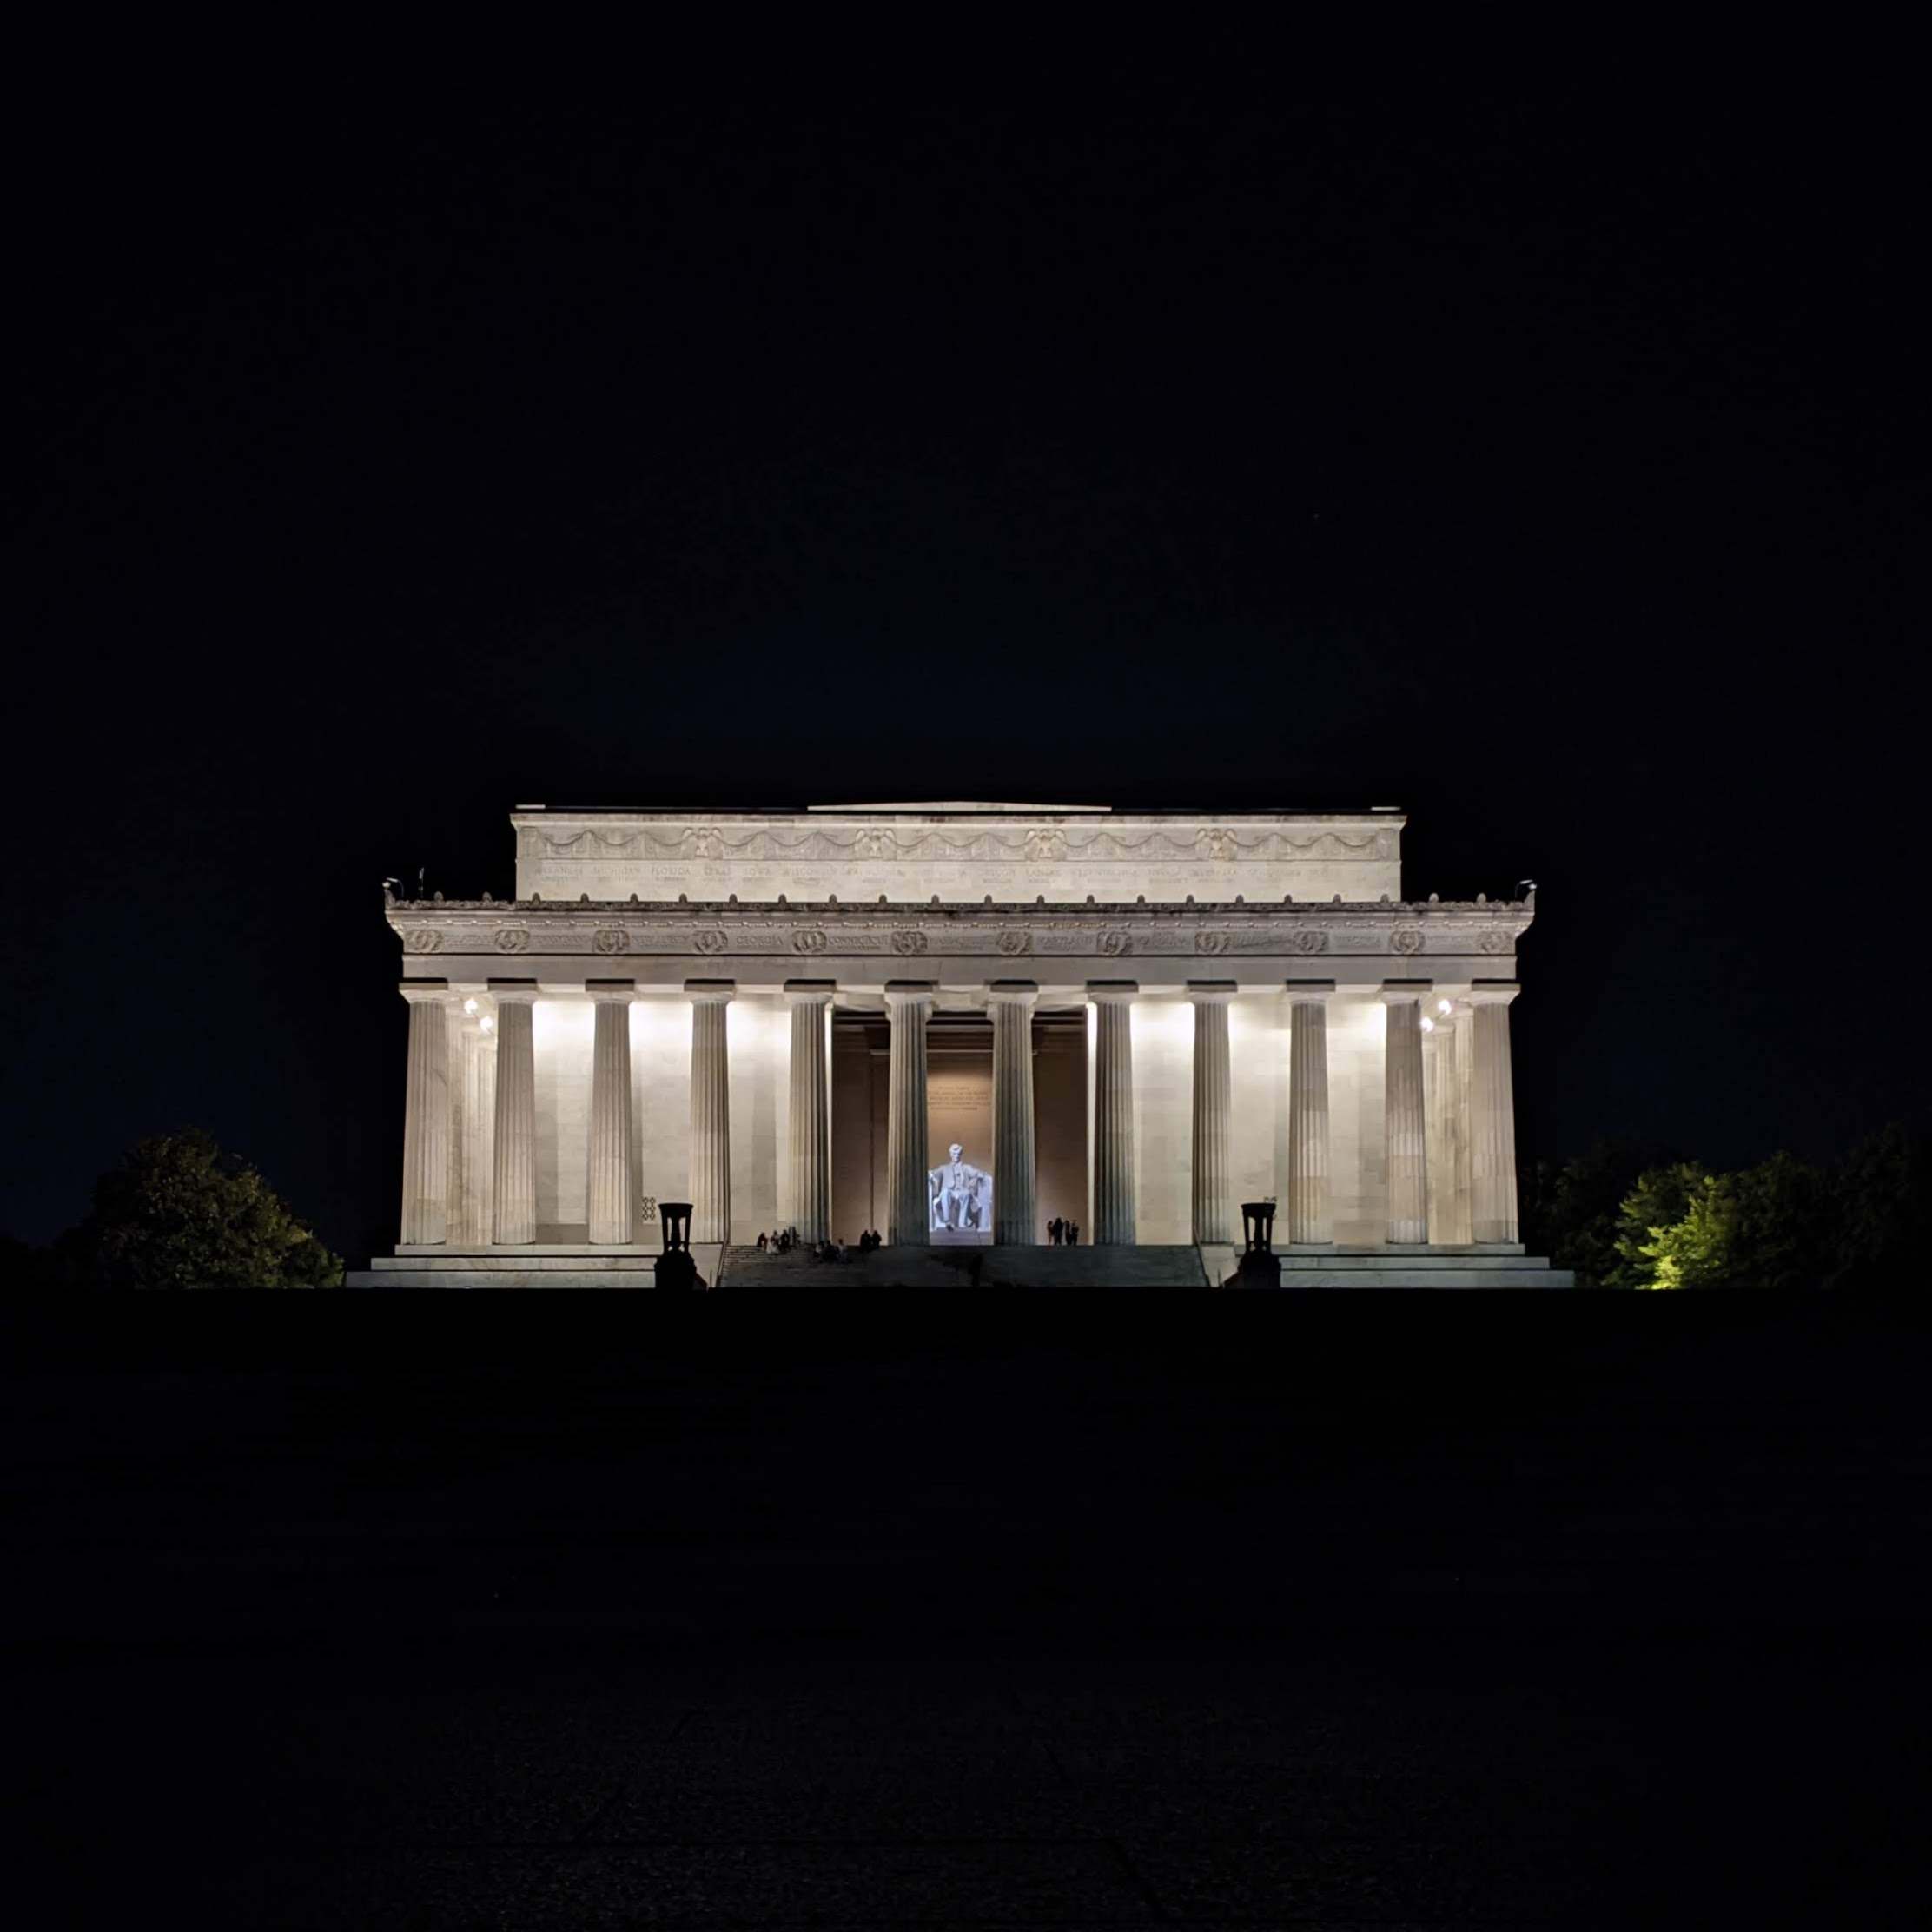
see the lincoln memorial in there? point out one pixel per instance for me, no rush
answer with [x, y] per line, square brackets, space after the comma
[959, 1024]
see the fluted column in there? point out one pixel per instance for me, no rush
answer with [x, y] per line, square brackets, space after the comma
[1448, 1210]
[612, 1206]
[1113, 1195]
[474, 1119]
[515, 1212]
[1405, 1124]
[425, 1116]
[711, 1109]
[809, 1208]
[1492, 1117]
[1465, 1062]
[908, 1216]
[1213, 1104]
[1011, 1001]
[1310, 1220]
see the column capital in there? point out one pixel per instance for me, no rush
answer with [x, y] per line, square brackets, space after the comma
[424, 992]
[805, 992]
[512, 990]
[1400, 992]
[909, 996]
[613, 992]
[1012, 992]
[1312, 991]
[1211, 992]
[1107, 992]
[711, 992]
[1493, 992]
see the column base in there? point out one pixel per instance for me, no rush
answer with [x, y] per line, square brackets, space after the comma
[1304, 1247]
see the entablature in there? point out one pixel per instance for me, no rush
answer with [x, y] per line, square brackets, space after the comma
[715, 930]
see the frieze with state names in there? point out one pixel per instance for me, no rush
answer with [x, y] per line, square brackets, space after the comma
[1206, 932]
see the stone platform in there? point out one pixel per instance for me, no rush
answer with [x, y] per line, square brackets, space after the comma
[579, 1264]
[541, 1264]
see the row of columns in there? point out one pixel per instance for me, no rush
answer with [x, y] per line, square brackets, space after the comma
[1449, 1116]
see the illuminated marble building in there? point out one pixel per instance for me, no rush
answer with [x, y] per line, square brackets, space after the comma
[958, 1023]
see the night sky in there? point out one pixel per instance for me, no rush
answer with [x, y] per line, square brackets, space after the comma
[1557, 472]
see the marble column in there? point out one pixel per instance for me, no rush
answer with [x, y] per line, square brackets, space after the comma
[1442, 1076]
[1113, 1193]
[1465, 1063]
[476, 1117]
[515, 1157]
[1492, 1117]
[1405, 1122]
[613, 1216]
[1214, 1106]
[809, 1208]
[1310, 1216]
[908, 1216]
[711, 1109]
[425, 1116]
[1010, 1003]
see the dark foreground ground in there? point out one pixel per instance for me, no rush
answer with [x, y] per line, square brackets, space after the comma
[571, 1611]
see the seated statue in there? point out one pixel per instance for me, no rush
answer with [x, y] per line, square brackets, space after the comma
[959, 1196]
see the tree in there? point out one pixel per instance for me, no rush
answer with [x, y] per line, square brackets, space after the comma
[178, 1212]
[1573, 1209]
[1773, 1225]
[1883, 1189]
[1695, 1250]
[1660, 1199]
[1789, 1226]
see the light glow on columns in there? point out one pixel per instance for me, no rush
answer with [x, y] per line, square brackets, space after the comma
[469, 1007]
[488, 1024]
[1444, 1008]
[1428, 1025]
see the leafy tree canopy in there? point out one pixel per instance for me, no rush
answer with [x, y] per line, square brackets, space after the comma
[178, 1212]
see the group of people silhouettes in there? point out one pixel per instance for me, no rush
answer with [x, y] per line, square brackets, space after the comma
[785, 1239]
[1063, 1233]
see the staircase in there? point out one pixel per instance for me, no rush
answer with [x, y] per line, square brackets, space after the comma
[968, 1267]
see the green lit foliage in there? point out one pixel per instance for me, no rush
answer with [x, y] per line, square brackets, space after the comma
[1693, 1251]
[1659, 1199]
[1779, 1225]
[1571, 1211]
[178, 1212]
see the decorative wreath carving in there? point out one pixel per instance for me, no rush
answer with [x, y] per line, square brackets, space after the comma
[1218, 846]
[1214, 942]
[876, 842]
[808, 939]
[1496, 941]
[1044, 845]
[1114, 942]
[1406, 940]
[706, 845]
[422, 942]
[708, 939]
[611, 939]
[513, 939]
[1013, 942]
[905, 939]
[1311, 941]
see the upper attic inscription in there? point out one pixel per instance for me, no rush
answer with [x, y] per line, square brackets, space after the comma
[959, 855]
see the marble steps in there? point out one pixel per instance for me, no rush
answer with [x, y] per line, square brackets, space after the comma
[551, 1265]
[1153, 1266]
